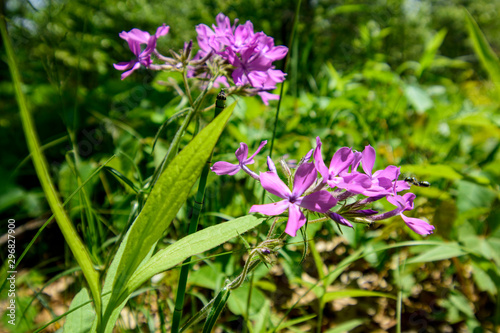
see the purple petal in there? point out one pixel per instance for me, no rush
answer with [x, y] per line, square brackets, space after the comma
[391, 172]
[223, 21]
[339, 219]
[397, 201]
[321, 201]
[355, 161]
[257, 78]
[162, 30]
[365, 211]
[408, 198]
[308, 156]
[341, 160]
[305, 176]
[135, 34]
[262, 144]
[271, 209]
[357, 183]
[242, 152]
[127, 73]
[275, 76]
[273, 184]
[318, 161]
[417, 225]
[296, 220]
[277, 53]
[401, 185]
[368, 159]
[270, 165]
[266, 97]
[384, 183]
[123, 66]
[225, 168]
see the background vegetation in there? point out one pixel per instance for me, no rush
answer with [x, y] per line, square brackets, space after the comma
[402, 76]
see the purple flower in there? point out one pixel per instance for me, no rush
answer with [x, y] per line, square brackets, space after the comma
[321, 201]
[226, 168]
[341, 161]
[405, 203]
[251, 54]
[373, 184]
[135, 38]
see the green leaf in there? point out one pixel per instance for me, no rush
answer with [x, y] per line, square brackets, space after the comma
[237, 303]
[472, 196]
[290, 323]
[191, 245]
[347, 326]
[483, 50]
[483, 281]
[333, 295]
[418, 98]
[430, 51]
[216, 310]
[433, 170]
[108, 287]
[440, 252]
[461, 303]
[80, 321]
[164, 201]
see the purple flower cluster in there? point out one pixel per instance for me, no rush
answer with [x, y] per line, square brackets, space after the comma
[251, 54]
[343, 182]
[135, 39]
[235, 51]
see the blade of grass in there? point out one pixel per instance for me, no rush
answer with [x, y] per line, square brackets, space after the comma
[488, 58]
[3, 273]
[70, 235]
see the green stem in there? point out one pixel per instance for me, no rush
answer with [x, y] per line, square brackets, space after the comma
[319, 266]
[70, 235]
[193, 225]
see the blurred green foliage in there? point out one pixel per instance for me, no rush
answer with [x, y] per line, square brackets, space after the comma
[399, 75]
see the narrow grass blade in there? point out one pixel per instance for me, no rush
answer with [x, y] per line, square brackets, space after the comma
[483, 50]
[330, 296]
[70, 235]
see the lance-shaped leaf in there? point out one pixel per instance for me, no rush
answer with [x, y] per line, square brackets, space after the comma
[191, 245]
[164, 201]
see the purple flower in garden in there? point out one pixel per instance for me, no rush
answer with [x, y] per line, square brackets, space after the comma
[251, 54]
[404, 203]
[226, 168]
[373, 184]
[321, 201]
[135, 38]
[341, 161]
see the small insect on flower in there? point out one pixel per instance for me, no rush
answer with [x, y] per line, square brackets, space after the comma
[415, 182]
